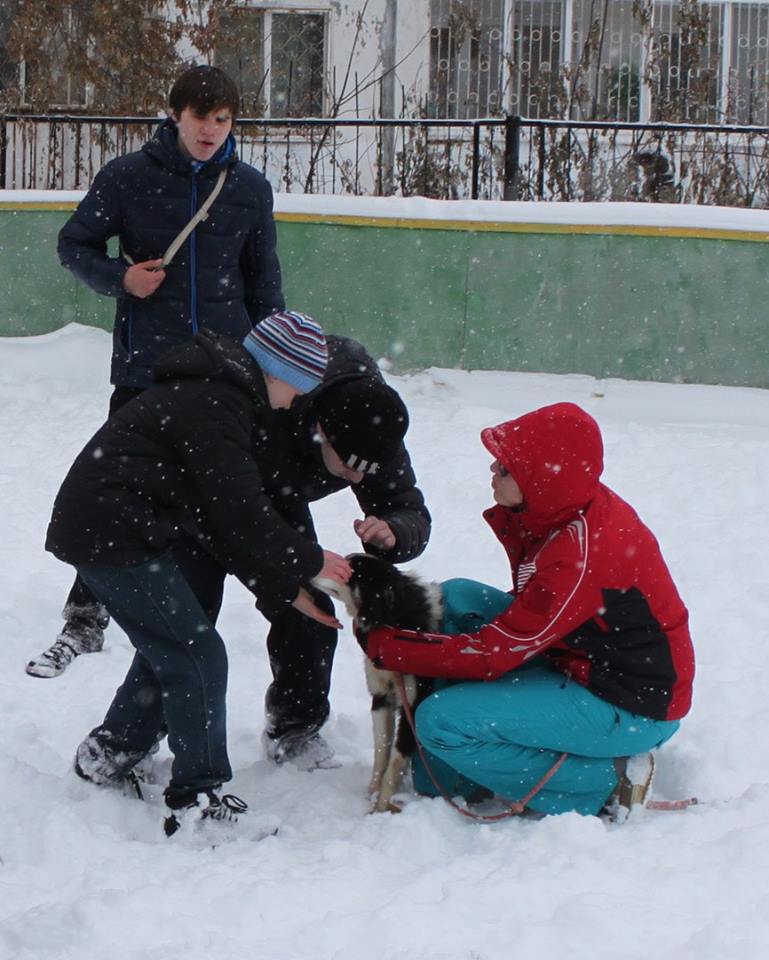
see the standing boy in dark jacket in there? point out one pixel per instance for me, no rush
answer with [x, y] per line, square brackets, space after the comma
[224, 278]
[178, 457]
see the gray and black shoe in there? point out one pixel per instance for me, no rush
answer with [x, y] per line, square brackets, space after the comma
[100, 763]
[83, 632]
[302, 746]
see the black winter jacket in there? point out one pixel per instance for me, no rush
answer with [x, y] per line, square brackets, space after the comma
[299, 477]
[226, 277]
[180, 457]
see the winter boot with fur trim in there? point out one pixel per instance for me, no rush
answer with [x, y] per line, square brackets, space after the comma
[83, 632]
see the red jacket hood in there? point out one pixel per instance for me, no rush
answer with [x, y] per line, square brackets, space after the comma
[555, 455]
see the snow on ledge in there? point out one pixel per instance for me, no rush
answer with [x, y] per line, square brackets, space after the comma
[686, 216]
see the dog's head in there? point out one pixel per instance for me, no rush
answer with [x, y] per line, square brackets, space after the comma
[379, 594]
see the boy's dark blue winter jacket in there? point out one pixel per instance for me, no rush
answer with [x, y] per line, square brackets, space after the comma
[226, 277]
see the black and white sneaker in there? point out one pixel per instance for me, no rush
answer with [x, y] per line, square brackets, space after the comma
[83, 632]
[190, 810]
[302, 746]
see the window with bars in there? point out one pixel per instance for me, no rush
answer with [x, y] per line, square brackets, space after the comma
[240, 54]
[601, 59]
[684, 66]
[606, 55]
[277, 59]
[297, 65]
[536, 58]
[747, 88]
[466, 47]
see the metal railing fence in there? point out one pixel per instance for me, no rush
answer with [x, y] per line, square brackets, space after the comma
[497, 158]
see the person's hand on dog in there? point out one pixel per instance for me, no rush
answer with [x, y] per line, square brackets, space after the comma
[142, 279]
[375, 532]
[335, 567]
[306, 605]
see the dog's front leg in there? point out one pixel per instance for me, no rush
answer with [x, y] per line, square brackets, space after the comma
[391, 782]
[383, 724]
[401, 752]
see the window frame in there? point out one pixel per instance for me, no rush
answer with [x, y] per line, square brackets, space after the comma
[286, 8]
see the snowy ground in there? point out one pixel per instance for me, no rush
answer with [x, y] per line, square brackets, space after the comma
[86, 873]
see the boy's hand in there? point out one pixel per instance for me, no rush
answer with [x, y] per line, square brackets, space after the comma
[142, 279]
[306, 605]
[376, 532]
[335, 567]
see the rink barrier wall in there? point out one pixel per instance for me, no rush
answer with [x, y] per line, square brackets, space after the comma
[675, 304]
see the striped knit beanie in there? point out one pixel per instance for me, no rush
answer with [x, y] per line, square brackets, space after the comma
[290, 346]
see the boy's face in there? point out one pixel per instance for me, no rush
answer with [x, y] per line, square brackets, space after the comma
[280, 394]
[201, 134]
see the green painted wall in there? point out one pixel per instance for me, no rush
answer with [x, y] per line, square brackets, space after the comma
[610, 305]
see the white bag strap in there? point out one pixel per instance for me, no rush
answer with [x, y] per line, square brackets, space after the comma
[202, 214]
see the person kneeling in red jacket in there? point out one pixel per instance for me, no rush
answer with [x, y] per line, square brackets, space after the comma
[588, 655]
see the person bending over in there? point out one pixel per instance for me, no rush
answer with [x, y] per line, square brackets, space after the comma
[175, 459]
[346, 433]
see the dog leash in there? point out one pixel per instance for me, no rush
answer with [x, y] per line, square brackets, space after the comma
[672, 804]
[514, 809]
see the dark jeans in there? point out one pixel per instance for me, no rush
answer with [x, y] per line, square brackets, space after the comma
[301, 650]
[178, 678]
[79, 595]
[301, 656]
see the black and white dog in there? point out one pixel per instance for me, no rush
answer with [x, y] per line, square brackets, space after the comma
[378, 594]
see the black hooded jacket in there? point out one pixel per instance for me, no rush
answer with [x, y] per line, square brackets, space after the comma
[226, 276]
[299, 476]
[179, 457]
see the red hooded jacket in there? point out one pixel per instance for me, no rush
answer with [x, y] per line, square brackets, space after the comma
[591, 590]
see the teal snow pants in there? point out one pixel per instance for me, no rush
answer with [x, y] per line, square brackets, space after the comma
[506, 734]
